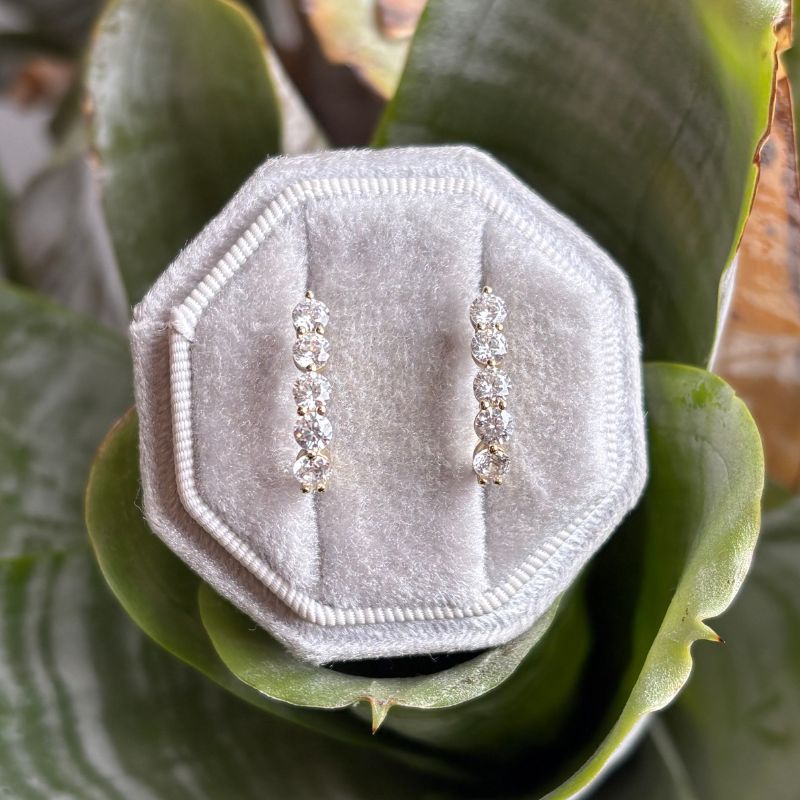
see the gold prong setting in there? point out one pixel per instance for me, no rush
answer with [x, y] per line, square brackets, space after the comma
[313, 431]
[494, 424]
[311, 352]
[310, 314]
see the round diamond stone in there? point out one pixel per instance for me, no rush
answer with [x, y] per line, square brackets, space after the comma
[313, 432]
[312, 470]
[487, 309]
[494, 426]
[311, 351]
[311, 389]
[491, 384]
[491, 466]
[488, 345]
[309, 313]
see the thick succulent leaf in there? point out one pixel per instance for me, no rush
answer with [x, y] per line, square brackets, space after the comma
[264, 664]
[526, 713]
[89, 708]
[160, 594]
[62, 244]
[729, 710]
[655, 771]
[696, 526]
[182, 111]
[736, 728]
[640, 120]
[164, 601]
[63, 380]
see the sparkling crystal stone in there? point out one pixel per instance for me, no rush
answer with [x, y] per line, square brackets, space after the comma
[312, 470]
[310, 389]
[489, 465]
[491, 384]
[313, 432]
[494, 426]
[488, 345]
[311, 351]
[307, 314]
[487, 309]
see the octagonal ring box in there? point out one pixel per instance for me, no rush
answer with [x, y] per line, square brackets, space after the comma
[404, 553]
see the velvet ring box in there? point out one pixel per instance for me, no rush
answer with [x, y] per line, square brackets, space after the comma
[404, 553]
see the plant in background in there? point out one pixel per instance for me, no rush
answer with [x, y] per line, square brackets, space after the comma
[641, 121]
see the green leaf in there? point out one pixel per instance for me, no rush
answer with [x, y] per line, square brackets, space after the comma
[64, 379]
[525, 713]
[696, 526]
[736, 728]
[182, 111]
[89, 708]
[261, 662]
[639, 119]
[154, 586]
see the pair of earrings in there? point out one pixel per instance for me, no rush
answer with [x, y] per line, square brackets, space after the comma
[312, 391]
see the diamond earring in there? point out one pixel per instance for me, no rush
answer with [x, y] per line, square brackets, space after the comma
[312, 391]
[493, 424]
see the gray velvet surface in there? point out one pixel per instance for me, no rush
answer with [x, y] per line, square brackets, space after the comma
[404, 524]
